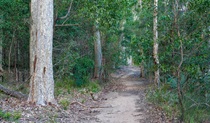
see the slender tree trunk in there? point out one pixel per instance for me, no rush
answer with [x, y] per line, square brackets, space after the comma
[155, 46]
[142, 73]
[165, 6]
[209, 47]
[121, 37]
[1, 42]
[98, 52]
[41, 68]
[10, 51]
[179, 88]
[140, 4]
[209, 37]
[1, 48]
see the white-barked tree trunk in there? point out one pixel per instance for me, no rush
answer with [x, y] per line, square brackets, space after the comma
[155, 45]
[98, 52]
[1, 43]
[41, 44]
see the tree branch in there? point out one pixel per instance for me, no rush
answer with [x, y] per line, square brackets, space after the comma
[58, 25]
[68, 13]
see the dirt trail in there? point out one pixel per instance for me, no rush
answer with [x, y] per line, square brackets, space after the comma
[126, 105]
[121, 101]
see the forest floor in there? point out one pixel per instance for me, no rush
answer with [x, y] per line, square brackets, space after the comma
[123, 100]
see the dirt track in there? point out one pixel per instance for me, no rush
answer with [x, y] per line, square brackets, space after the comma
[126, 105]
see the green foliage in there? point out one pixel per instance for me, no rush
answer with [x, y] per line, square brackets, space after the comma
[64, 85]
[196, 106]
[108, 15]
[6, 115]
[192, 29]
[64, 103]
[165, 99]
[196, 111]
[200, 6]
[93, 87]
[82, 70]
[9, 116]
[67, 85]
[14, 17]
[16, 115]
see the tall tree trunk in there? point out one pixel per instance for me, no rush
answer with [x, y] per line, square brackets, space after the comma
[98, 52]
[209, 48]
[41, 68]
[121, 38]
[142, 73]
[155, 46]
[1, 42]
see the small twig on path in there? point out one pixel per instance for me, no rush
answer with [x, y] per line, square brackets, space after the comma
[79, 104]
[101, 107]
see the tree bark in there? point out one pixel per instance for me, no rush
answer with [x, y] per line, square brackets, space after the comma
[41, 43]
[142, 73]
[1, 48]
[98, 52]
[155, 46]
[140, 4]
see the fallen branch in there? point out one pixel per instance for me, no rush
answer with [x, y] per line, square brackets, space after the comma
[78, 103]
[12, 93]
[66, 25]
[101, 107]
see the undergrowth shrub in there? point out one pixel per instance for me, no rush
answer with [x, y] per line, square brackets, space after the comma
[93, 87]
[165, 99]
[10, 116]
[197, 107]
[64, 103]
[82, 71]
[67, 85]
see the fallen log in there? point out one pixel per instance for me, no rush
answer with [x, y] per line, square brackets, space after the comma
[15, 94]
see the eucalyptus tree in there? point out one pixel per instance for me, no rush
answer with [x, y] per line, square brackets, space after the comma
[1, 42]
[155, 46]
[41, 68]
[98, 51]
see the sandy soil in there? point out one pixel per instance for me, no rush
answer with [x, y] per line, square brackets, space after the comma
[127, 104]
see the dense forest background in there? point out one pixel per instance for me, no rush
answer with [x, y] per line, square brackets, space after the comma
[126, 31]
